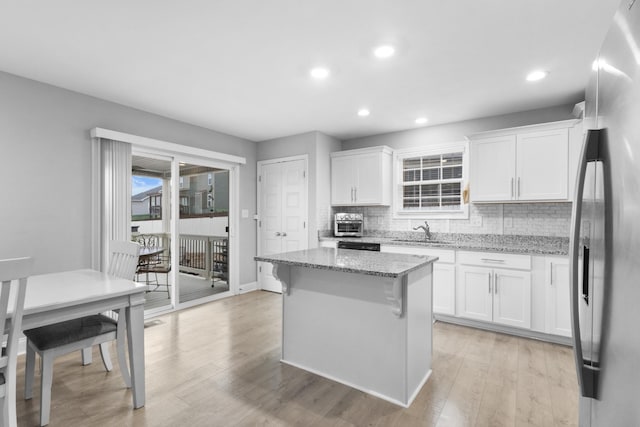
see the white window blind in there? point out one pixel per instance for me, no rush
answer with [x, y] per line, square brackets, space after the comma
[115, 203]
[432, 183]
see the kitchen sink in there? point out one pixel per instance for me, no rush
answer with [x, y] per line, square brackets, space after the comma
[423, 242]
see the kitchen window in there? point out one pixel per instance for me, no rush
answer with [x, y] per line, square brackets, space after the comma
[430, 182]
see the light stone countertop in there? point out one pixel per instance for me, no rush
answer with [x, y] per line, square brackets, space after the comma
[352, 261]
[532, 245]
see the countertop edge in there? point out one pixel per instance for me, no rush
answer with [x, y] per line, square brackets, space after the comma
[452, 246]
[429, 260]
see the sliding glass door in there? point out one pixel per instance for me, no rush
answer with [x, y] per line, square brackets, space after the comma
[151, 207]
[203, 232]
[184, 233]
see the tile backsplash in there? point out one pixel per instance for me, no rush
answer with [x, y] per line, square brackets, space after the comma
[537, 219]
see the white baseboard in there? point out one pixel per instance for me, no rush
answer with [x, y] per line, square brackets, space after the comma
[357, 387]
[494, 327]
[248, 287]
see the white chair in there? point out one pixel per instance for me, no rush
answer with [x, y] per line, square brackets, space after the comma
[13, 272]
[51, 341]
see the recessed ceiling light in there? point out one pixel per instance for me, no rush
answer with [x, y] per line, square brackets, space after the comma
[384, 51]
[363, 112]
[319, 73]
[534, 76]
[421, 120]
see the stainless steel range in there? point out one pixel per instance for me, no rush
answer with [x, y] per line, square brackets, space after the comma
[348, 224]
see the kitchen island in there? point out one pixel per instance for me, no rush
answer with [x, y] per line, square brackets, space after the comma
[361, 318]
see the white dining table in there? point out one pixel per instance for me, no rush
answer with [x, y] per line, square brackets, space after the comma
[56, 297]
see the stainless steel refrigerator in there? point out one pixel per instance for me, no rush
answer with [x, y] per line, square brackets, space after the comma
[605, 236]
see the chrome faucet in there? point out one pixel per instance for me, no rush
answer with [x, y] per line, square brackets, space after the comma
[425, 227]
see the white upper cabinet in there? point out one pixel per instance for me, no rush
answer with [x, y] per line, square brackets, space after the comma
[542, 165]
[361, 177]
[525, 164]
[493, 168]
[342, 179]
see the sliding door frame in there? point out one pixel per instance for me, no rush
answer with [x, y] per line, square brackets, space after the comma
[179, 153]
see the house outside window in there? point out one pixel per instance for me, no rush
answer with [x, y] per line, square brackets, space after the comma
[155, 207]
[146, 198]
[184, 205]
[430, 182]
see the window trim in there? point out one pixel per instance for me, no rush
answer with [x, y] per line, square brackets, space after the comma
[430, 150]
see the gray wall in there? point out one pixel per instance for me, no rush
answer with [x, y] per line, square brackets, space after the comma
[457, 131]
[325, 145]
[45, 170]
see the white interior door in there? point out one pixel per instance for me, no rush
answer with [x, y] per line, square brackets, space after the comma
[294, 206]
[282, 212]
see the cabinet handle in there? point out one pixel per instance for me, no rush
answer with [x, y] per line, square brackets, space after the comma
[518, 187]
[489, 282]
[284, 234]
[550, 274]
[278, 233]
[355, 194]
[352, 195]
[499, 261]
[495, 283]
[512, 188]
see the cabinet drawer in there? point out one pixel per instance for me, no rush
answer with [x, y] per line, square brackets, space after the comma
[495, 259]
[444, 255]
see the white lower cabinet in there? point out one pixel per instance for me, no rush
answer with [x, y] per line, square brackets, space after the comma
[475, 296]
[515, 290]
[444, 288]
[444, 275]
[491, 294]
[558, 294]
[512, 298]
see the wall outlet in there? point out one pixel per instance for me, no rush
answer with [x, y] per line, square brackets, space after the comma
[508, 222]
[476, 221]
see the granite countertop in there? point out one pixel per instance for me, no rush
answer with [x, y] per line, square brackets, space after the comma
[351, 261]
[533, 245]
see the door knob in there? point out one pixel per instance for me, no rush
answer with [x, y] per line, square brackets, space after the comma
[284, 234]
[278, 233]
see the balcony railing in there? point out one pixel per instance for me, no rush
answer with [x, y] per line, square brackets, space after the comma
[205, 256]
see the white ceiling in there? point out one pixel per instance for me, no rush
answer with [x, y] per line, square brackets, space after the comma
[241, 66]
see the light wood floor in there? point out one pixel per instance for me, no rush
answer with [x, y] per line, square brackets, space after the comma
[218, 365]
[191, 288]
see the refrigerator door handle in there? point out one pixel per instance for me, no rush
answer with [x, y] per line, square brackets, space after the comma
[585, 274]
[587, 374]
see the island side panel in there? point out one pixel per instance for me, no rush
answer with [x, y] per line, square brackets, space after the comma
[419, 328]
[342, 326]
